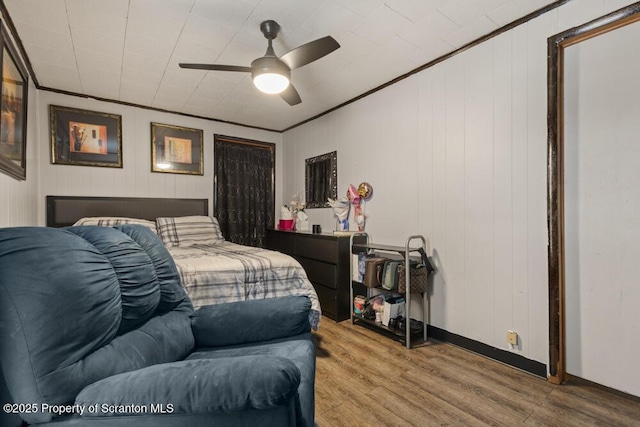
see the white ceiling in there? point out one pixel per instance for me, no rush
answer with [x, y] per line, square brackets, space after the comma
[129, 50]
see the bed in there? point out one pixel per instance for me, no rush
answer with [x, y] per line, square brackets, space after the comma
[212, 270]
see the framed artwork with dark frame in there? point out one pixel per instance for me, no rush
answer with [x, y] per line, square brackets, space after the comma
[85, 138]
[13, 129]
[176, 149]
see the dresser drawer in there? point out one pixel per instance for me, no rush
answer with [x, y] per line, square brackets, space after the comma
[328, 301]
[280, 241]
[320, 272]
[317, 248]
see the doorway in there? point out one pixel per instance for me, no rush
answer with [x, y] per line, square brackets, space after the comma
[593, 197]
[244, 189]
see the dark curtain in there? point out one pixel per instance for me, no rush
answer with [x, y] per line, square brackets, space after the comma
[244, 190]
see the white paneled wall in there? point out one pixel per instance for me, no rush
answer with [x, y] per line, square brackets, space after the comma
[135, 179]
[602, 201]
[458, 152]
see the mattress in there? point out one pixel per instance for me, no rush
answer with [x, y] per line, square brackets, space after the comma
[228, 272]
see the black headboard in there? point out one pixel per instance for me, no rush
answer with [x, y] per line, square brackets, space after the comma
[63, 211]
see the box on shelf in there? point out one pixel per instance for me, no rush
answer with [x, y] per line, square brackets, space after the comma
[393, 307]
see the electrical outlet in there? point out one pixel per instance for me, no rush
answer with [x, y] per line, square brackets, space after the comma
[512, 337]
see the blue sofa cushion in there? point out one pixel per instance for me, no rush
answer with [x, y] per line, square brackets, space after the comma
[251, 321]
[139, 288]
[61, 311]
[172, 294]
[193, 387]
[300, 349]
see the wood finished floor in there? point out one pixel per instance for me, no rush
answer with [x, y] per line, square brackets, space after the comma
[366, 379]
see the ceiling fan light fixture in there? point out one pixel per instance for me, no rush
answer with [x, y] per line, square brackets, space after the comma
[271, 83]
[270, 75]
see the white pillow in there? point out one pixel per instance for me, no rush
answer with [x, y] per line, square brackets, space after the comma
[110, 221]
[189, 230]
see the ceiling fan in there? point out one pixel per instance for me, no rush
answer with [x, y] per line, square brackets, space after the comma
[271, 74]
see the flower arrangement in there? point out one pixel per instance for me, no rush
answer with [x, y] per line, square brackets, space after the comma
[294, 214]
[297, 204]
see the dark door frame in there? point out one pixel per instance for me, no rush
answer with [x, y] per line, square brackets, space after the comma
[555, 173]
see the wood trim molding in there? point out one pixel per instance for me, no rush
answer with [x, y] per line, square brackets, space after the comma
[430, 64]
[258, 144]
[18, 42]
[442, 58]
[555, 174]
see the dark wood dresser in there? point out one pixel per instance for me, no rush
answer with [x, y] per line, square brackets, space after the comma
[325, 258]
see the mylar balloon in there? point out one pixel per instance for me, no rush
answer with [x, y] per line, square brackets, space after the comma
[365, 190]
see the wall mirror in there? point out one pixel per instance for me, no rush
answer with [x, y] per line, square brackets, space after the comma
[321, 180]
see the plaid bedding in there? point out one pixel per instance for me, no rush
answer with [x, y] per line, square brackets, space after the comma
[228, 272]
[189, 230]
[112, 221]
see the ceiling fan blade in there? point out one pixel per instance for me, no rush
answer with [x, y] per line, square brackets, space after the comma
[291, 95]
[309, 52]
[216, 67]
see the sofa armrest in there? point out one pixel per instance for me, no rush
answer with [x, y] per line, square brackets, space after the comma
[251, 321]
[194, 387]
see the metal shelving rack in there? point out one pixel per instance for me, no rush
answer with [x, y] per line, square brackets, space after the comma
[406, 252]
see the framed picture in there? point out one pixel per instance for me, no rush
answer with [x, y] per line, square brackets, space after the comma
[85, 138]
[176, 149]
[13, 128]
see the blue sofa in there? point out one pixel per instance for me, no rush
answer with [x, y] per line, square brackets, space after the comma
[96, 329]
